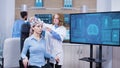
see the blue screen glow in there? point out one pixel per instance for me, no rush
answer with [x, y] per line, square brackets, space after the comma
[102, 28]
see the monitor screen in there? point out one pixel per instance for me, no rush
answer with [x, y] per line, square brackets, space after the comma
[47, 18]
[99, 28]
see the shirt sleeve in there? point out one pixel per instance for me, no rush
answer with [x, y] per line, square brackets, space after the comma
[55, 35]
[15, 32]
[60, 34]
[25, 49]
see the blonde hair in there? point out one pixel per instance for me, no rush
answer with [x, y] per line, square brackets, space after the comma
[33, 25]
[61, 19]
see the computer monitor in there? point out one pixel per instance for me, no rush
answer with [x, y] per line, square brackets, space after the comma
[47, 18]
[98, 28]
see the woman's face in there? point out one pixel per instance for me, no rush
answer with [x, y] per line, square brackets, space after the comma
[38, 28]
[56, 19]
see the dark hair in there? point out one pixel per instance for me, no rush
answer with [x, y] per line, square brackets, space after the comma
[23, 14]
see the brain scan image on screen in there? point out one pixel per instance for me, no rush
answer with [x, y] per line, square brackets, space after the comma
[92, 29]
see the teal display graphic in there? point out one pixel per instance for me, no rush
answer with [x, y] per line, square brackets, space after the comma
[100, 28]
[92, 29]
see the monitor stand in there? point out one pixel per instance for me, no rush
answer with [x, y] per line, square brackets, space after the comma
[91, 59]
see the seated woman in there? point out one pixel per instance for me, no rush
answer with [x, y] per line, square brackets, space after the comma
[36, 45]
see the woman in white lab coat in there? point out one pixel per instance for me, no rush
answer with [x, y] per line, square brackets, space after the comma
[55, 34]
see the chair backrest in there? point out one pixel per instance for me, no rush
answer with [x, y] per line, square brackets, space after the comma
[11, 52]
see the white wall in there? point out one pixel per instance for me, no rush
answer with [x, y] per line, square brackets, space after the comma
[103, 5]
[2, 16]
[7, 13]
[108, 5]
[115, 5]
[10, 16]
[7, 16]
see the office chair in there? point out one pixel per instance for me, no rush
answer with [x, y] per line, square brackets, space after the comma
[11, 52]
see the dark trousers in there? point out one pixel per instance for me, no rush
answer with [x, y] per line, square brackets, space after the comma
[56, 65]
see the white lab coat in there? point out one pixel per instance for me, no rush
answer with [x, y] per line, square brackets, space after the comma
[53, 45]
